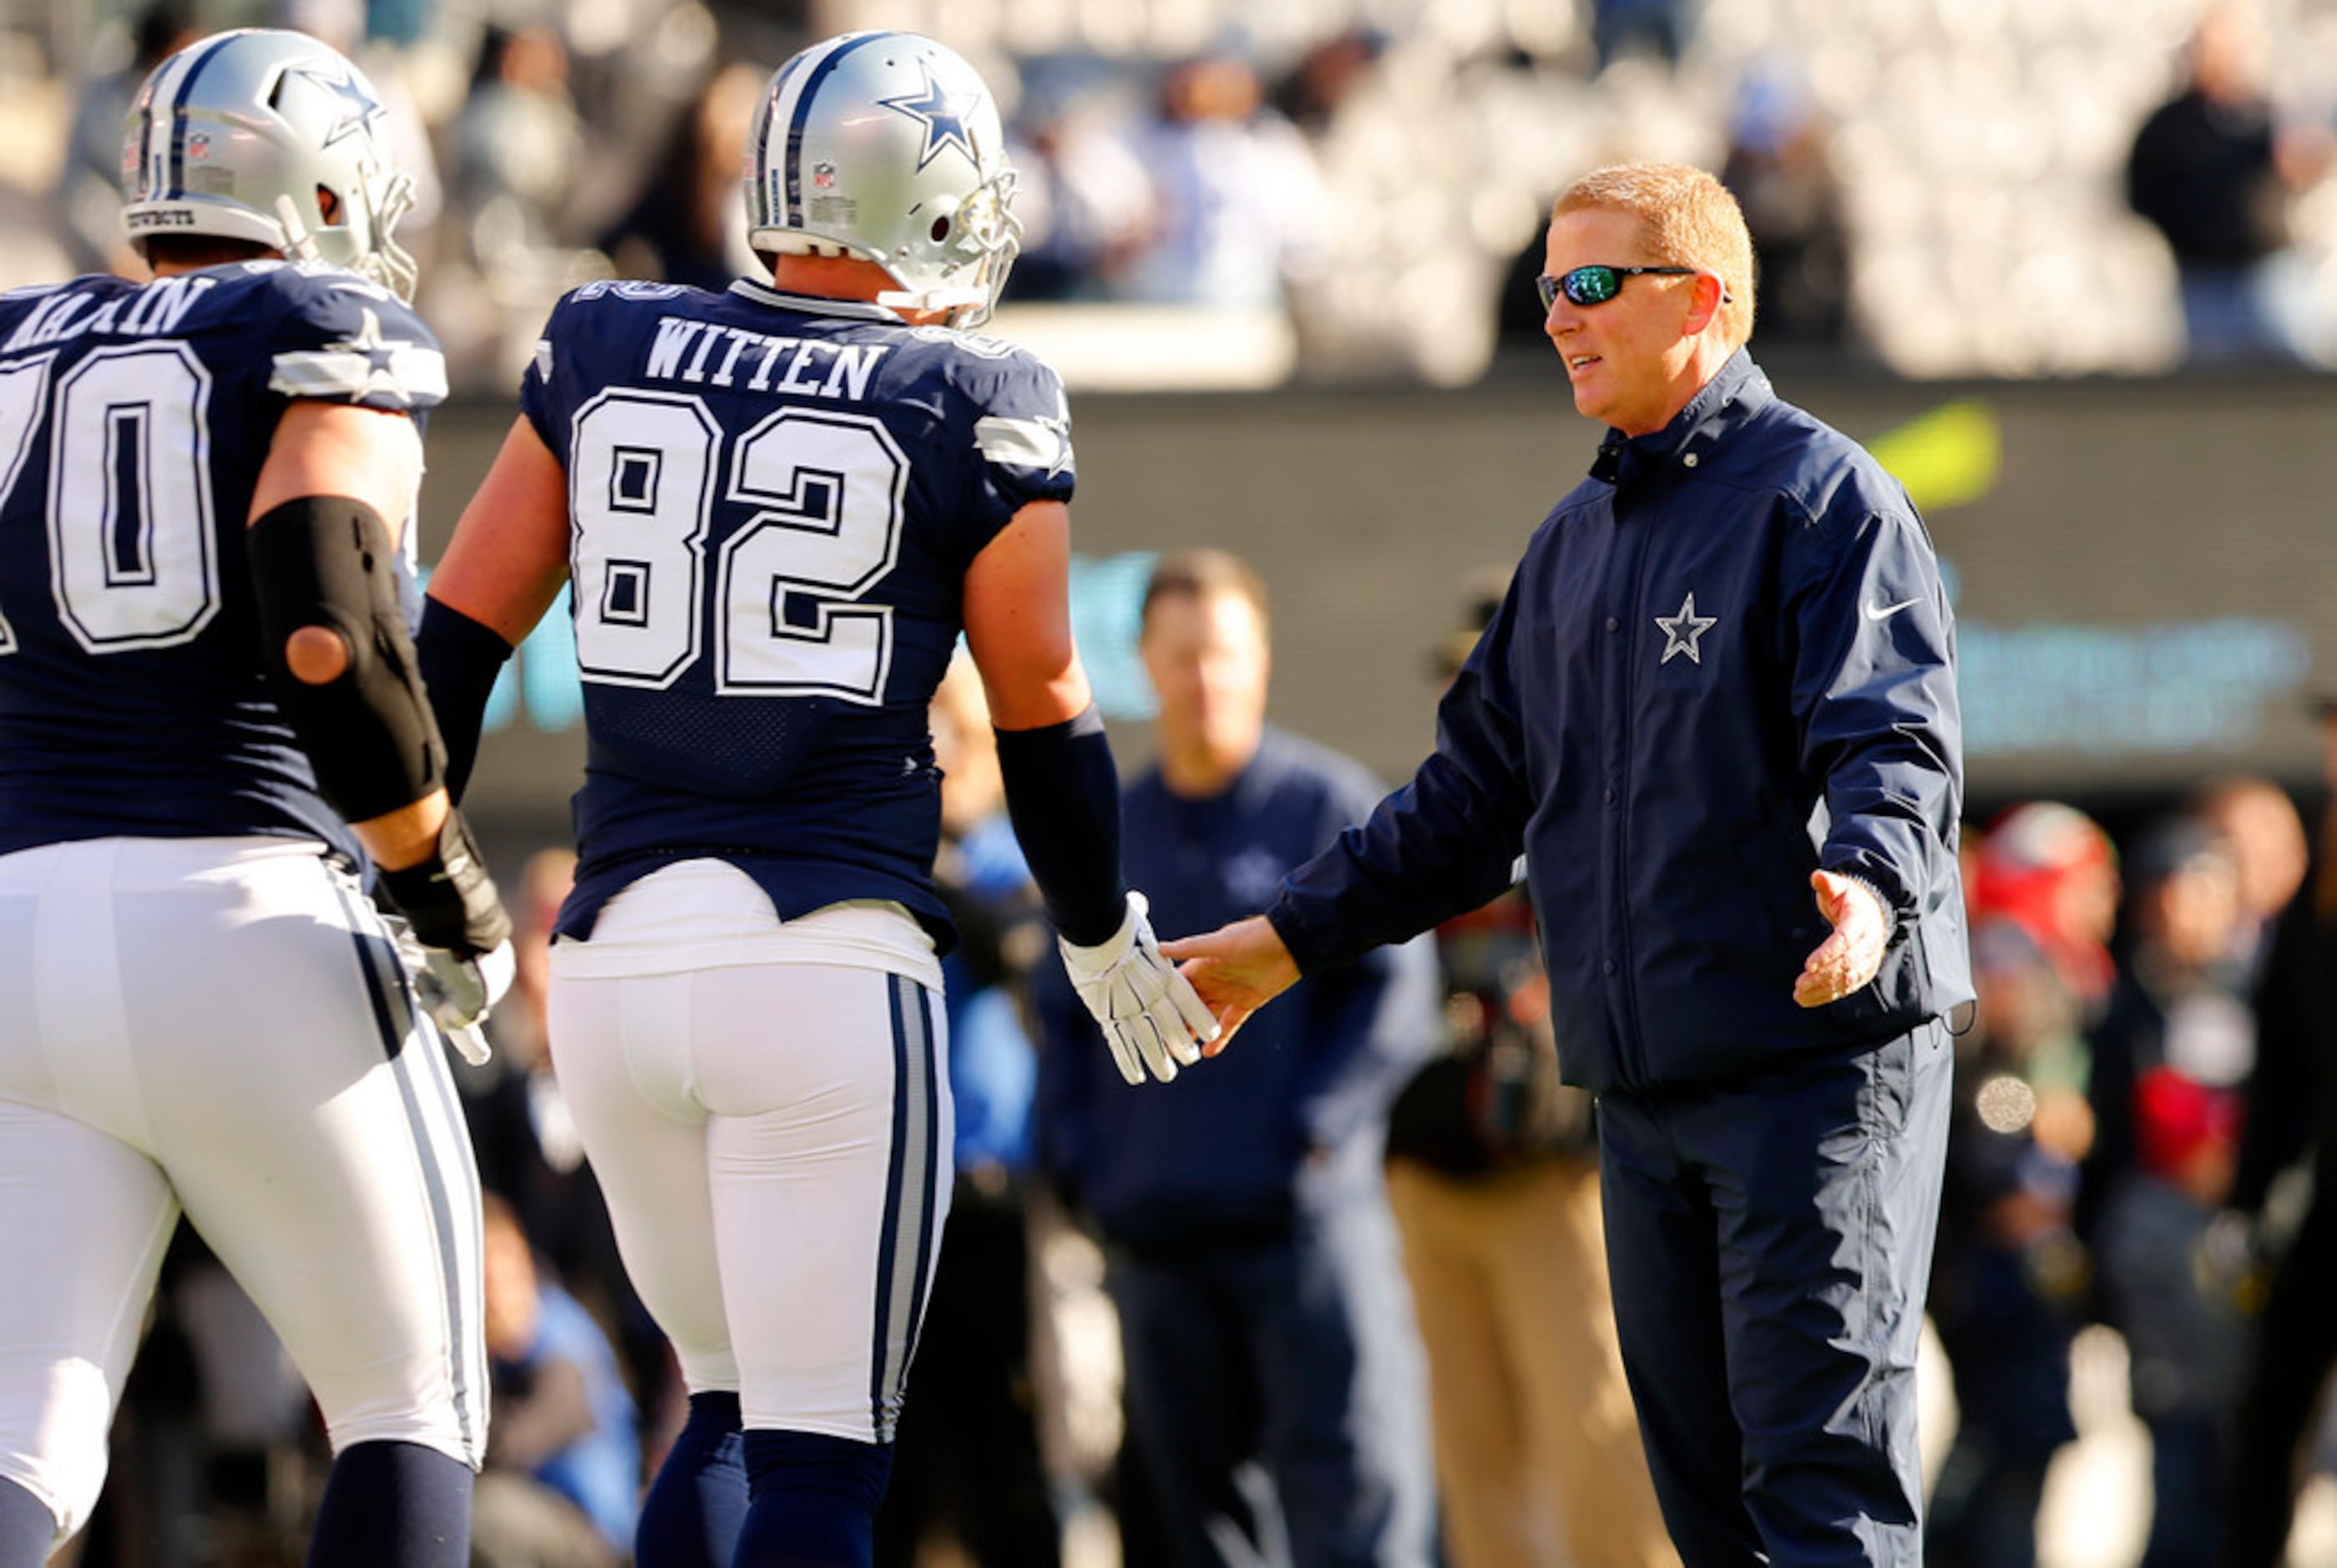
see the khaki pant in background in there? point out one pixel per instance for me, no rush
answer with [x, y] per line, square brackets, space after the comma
[1537, 1448]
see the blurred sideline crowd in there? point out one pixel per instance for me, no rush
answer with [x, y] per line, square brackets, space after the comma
[1354, 188]
[2143, 1102]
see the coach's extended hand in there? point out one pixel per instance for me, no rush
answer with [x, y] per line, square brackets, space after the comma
[1238, 969]
[1149, 1014]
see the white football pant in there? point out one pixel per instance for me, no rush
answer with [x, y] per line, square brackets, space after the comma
[767, 1109]
[222, 1025]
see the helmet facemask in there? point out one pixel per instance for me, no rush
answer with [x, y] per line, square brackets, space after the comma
[980, 241]
[362, 241]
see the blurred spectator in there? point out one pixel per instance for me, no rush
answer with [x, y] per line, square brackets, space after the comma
[1623, 28]
[1241, 206]
[1405, 286]
[2051, 869]
[2009, 1274]
[89, 188]
[562, 1482]
[691, 225]
[1275, 1394]
[2292, 1115]
[966, 1461]
[2255, 817]
[2214, 172]
[1326, 76]
[1494, 1176]
[2169, 1059]
[518, 133]
[1780, 168]
[519, 148]
[1084, 197]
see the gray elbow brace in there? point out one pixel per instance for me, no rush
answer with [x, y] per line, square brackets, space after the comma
[329, 562]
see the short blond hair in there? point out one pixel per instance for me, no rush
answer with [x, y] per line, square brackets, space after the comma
[1198, 575]
[1687, 219]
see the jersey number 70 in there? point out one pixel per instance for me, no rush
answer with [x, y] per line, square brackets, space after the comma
[132, 561]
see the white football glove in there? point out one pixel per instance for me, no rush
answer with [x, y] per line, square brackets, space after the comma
[457, 991]
[1150, 1016]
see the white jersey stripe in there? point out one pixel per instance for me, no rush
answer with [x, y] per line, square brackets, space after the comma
[405, 373]
[1026, 443]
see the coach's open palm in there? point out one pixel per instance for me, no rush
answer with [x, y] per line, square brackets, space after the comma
[1238, 969]
[1149, 1015]
[1851, 956]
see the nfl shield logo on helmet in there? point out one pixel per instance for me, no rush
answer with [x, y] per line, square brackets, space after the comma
[823, 176]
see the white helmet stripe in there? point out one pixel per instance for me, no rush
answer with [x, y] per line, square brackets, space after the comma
[794, 108]
[156, 154]
[175, 122]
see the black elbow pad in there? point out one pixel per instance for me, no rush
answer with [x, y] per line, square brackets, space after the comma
[327, 562]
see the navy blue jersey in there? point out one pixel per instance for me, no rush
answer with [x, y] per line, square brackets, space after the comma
[773, 501]
[134, 420]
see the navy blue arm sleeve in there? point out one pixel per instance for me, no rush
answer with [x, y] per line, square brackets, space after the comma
[460, 659]
[1063, 793]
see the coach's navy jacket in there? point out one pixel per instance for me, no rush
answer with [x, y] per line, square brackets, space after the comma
[1246, 1144]
[1726, 660]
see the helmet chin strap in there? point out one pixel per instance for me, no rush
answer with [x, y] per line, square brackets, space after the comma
[961, 307]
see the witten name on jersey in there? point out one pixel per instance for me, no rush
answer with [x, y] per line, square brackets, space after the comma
[774, 501]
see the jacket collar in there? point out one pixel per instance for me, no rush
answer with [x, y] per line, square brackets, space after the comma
[1737, 392]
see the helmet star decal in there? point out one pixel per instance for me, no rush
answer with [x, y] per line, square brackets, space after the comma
[943, 118]
[358, 110]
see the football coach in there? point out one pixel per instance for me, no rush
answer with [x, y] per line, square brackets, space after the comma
[1716, 713]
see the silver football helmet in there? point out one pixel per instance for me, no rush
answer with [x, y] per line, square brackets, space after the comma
[887, 146]
[272, 137]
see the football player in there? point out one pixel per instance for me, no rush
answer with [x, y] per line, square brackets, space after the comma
[209, 702]
[776, 507]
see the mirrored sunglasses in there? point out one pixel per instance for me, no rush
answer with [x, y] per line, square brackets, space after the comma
[1595, 285]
